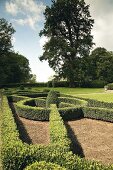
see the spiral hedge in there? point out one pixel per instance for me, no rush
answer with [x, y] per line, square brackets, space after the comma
[17, 155]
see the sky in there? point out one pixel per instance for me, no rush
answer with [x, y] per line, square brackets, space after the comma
[27, 19]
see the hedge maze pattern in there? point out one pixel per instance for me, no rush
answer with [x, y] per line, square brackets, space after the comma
[17, 155]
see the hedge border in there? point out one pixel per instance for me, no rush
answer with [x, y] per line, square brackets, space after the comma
[39, 113]
[17, 155]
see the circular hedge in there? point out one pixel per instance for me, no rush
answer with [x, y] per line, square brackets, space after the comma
[44, 166]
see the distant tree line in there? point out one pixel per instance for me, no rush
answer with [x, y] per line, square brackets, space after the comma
[14, 68]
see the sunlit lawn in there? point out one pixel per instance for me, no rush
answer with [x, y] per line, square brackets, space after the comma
[74, 91]
[92, 93]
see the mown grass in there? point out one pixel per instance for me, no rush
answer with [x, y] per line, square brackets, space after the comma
[73, 91]
[106, 97]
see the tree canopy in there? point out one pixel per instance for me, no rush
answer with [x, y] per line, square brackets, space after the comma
[68, 27]
[6, 32]
[14, 68]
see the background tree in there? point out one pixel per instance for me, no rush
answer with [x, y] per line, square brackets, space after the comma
[15, 69]
[101, 65]
[6, 32]
[68, 28]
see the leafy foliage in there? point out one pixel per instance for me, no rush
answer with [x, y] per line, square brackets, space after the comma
[6, 32]
[44, 165]
[68, 28]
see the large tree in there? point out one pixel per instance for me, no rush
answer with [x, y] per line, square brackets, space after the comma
[6, 32]
[68, 27]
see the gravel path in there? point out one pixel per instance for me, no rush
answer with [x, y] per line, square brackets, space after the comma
[33, 132]
[95, 137]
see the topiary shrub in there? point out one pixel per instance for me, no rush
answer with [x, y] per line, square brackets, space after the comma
[44, 166]
[52, 98]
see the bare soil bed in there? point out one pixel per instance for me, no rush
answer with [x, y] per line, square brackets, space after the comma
[95, 138]
[33, 132]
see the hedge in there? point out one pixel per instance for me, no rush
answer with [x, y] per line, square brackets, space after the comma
[44, 166]
[12, 85]
[58, 132]
[42, 113]
[94, 109]
[98, 113]
[17, 155]
[52, 98]
[29, 112]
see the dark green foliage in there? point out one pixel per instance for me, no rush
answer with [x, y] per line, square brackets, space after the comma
[29, 112]
[98, 83]
[14, 85]
[22, 87]
[98, 113]
[15, 68]
[68, 27]
[44, 165]
[6, 32]
[101, 65]
[52, 98]
[71, 113]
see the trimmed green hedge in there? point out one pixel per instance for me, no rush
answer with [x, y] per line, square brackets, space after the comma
[41, 113]
[17, 155]
[52, 98]
[58, 132]
[98, 113]
[29, 112]
[44, 166]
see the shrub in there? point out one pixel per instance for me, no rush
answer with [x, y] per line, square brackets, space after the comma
[58, 132]
[52, 98]
[44, 165]
[98, 83]
[110, 86]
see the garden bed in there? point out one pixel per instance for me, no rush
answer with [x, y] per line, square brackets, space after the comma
[37, 131]
[95, 138]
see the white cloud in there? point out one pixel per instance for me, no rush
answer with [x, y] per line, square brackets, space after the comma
[102, 12]
[29, 12]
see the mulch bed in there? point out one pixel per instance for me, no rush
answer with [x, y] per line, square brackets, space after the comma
[95, 139]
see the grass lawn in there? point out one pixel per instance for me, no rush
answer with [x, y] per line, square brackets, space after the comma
[73, 91]
[92, 93]
[106, 97]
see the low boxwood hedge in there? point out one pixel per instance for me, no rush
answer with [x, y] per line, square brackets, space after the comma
[98, 113]
[58, 132]
[17, 155]
[52, 98]
[41, 113]
[44, 166]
